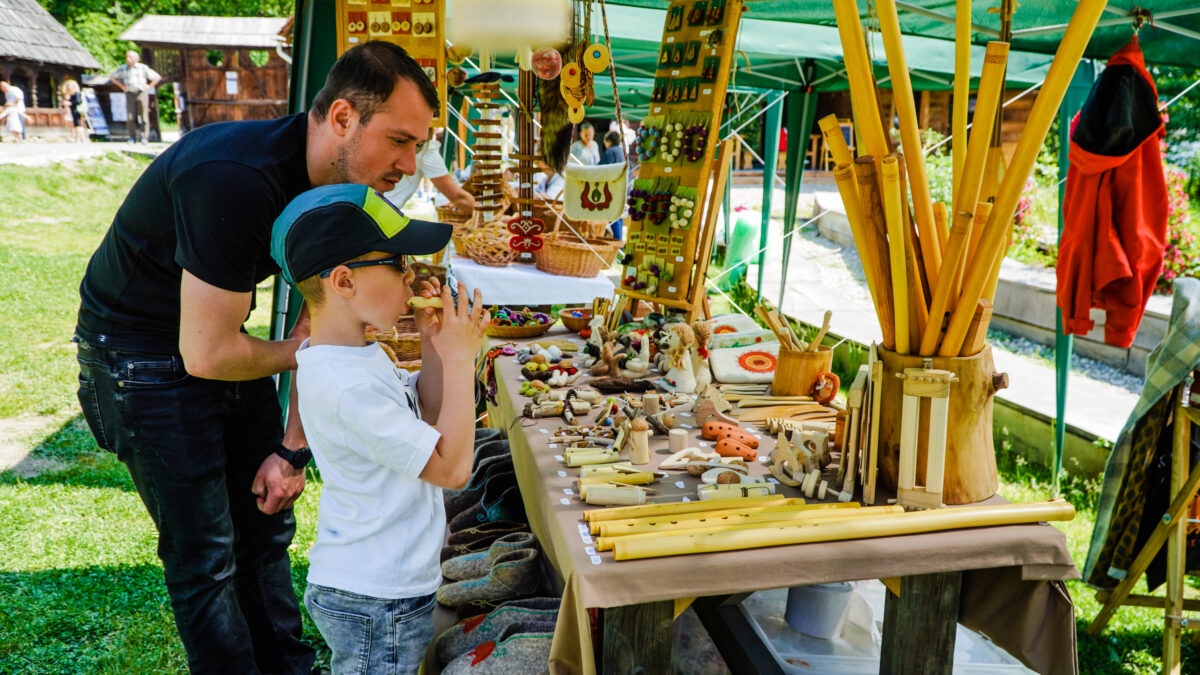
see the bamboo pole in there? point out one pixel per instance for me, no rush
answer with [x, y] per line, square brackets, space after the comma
[910, 137]
[619, 528]
[848, 189]
[831, 131]
[895, 232]
[962, 91]
[939, 217]
[606, 542]
[968, 190]
[1045, 109]
[918, 283]
[875, 239]
[670, 508]
[989, 290]
[915, 522]
[861, 79]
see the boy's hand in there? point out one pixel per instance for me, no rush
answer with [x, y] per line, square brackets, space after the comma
[458, 332]
[425, 318]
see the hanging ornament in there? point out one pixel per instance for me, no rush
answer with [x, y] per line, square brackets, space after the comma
[576, 114]
[596, 58]
[456, 76]
[547, 63]
[456, 54]
[572, 76]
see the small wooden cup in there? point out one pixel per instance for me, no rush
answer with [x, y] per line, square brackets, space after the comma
[796, 372]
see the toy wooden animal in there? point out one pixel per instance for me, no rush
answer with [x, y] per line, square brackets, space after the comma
[608, 363]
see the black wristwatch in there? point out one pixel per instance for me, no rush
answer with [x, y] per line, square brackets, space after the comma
[297, 458]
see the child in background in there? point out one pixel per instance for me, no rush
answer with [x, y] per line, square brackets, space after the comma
[386, 441]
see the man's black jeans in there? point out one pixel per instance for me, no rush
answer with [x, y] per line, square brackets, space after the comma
[193, 447]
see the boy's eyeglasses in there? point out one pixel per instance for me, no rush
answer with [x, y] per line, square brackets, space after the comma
[400, 262]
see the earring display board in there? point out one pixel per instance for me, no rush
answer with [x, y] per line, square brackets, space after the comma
[417, 25]
[675, 145]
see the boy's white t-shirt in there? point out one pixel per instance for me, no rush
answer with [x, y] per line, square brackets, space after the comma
[380, 527]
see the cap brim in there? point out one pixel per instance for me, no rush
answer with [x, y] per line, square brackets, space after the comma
[419, 237]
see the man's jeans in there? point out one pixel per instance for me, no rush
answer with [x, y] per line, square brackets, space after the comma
[193, 447]
[370, 636]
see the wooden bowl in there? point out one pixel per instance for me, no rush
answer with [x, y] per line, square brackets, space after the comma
[575, 323]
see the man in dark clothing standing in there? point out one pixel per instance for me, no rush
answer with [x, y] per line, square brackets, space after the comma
[171, 383]
[614, 152]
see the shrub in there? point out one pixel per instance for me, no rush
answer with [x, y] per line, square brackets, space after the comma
[1181, 256]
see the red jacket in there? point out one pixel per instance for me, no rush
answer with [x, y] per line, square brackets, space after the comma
[1115, 206]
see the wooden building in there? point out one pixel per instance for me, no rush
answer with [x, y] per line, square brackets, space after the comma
[36, 54]
[222, 68]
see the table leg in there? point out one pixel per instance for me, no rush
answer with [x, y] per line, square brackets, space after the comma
[919, 626]
[636, 638]
[733, 634]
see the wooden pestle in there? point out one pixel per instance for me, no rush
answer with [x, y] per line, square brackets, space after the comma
[1041, 116]
[875, 240]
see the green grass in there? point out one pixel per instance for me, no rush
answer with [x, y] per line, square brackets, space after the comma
[80, 586]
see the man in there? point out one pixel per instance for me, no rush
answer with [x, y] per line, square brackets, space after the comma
[585, 150]
[431, 166]
[613, 153]
[171, 383]
[136, 80]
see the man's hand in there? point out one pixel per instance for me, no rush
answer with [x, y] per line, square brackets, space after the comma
[303, 325]
[278, 484]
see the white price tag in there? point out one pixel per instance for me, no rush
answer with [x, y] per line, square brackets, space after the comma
[568, 491]
[708, 92]
[685, 500]
[552, 446]
[671, 289]
[565, 501]
[670, 38]
[679, 484]
[590, 550]
[674, 73]
[544, 431]
[595, 560]
[559, 458]
[703, 444]
[678, 258]
[562, 474]
[658, 108]
[667, 170]
[685, 426]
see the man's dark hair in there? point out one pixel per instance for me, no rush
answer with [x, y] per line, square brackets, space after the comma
[366, 75]
[613, 138]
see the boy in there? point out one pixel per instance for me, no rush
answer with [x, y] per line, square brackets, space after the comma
[386, 441]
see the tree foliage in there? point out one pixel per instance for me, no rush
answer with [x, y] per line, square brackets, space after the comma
[98, 24]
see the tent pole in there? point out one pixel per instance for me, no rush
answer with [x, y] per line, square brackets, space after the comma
[770, 160]
[1077, 93]
[800, 113]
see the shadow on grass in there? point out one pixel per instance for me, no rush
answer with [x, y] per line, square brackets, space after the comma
[69, 456]
[103, 619]
[1129, 650]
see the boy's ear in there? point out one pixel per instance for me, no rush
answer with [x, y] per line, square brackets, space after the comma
[341, 281]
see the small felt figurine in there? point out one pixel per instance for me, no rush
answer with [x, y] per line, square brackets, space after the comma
[680, 376]
[608, 363]
[597, 336]
[699, 355]
[639, 365]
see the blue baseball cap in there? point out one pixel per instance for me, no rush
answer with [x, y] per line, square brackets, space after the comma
[329, 225]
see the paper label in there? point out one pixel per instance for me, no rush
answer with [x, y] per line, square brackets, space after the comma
[562, 474]
[595, 560]
[552, 446]
[565, 501]
[559, 458]
[680, 484]
[568, 491]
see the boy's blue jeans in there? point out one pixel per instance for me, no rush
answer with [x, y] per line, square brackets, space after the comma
[370, 636]
[192, 447]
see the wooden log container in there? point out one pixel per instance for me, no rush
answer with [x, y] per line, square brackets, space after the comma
[796, 372]
[970, 469]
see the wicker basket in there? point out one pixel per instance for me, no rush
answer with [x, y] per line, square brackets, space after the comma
[402, 342]
[550, 217]
[568, 257]
[575, 323]
[488, 245]
[525, 331]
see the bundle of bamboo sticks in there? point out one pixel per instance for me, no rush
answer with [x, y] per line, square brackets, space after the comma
[933, 274]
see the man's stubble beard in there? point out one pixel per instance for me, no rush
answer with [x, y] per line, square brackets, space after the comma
[343, 163]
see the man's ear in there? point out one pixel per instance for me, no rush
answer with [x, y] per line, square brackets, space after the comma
[341, 281]
[342, 117]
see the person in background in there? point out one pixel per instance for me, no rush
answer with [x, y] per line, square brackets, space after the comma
[13, 113]
[72, 100]
[136, 80]
[585, 150]
[614, 152]
[431, 166]
[548, 183]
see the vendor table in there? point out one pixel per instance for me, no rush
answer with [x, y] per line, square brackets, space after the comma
[523, 284]
[1003, 581]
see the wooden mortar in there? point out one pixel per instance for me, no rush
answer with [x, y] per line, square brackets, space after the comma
[970, 473]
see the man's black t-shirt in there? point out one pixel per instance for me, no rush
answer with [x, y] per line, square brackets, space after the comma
[205, 205]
